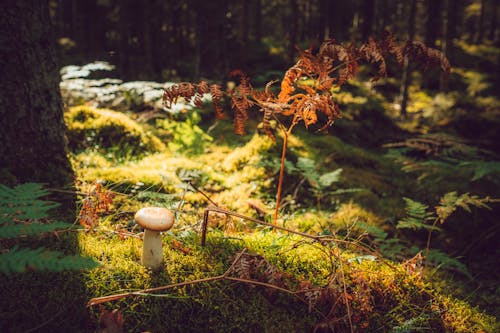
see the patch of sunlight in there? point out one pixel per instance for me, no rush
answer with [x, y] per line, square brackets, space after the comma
[419, 100]
[484, 51]
[476, 82]
[350, 213]
[250, 153]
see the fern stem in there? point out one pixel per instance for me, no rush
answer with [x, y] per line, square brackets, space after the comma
[428, 245]
[286, 133]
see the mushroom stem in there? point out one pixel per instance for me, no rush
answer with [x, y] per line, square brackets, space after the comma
[153, 220]
[152, 251]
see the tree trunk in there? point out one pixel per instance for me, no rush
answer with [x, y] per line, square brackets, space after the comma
[211, 38]
[480, 24]
[450, 19]
[258, 21]
[368, 10]
[32, 137]
[406, 71]
[293, 29]
[124, 45]
[245, 22]
[493, 22]
[432, 24]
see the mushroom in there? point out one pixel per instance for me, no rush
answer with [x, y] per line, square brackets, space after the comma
[154, 220]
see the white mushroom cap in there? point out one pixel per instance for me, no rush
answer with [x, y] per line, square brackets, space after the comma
[155, 218]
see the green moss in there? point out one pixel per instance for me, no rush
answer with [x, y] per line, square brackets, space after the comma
[214, 307]
[250, 153]
[109, 132]
[383, 298]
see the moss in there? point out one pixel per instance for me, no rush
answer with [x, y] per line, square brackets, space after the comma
[250, 153]
[109, 132]
[350, 214]
[211, 307]
[460, 317]
[382, 298]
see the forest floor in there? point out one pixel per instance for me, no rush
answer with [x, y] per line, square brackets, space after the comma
[397, 238]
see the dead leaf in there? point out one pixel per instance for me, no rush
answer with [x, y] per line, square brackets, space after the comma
[111, 321]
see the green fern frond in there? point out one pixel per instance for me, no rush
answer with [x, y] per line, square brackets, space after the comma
[373, 230]
[19, 208]
[417, 324]
[29, 229]
[482, 169]
[417, 217]
[443, 260]
[305, 164]
[329, 178]
[23, 202]
[20, 260]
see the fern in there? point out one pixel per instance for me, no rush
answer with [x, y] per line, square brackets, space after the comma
[417, 324]
[482, 169]
[417, 217]
[20, 209]
[443, 260]
[21, 260]
[451, 201]
[438, 155]
[30, 229]
[23, 202]
[329, 178]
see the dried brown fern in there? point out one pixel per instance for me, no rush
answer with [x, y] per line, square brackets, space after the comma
[305, 90]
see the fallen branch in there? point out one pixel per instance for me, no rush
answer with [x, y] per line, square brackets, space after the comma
[322, 239]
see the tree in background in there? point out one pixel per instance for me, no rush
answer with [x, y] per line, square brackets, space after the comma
[32, 138]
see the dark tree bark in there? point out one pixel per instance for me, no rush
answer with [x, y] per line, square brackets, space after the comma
[493, 22]
[93, 27]
[124, 40]
[450, 19]
[211, 38]
[245, 22]
[293, 29]
[480, 23]
[258, 21]
[432, 23]
[368, 10]
[32, 133]
[324, 7]
[406, 70]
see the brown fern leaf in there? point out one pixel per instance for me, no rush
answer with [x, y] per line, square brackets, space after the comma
[288, 83]
[426, 56]
[330, 51]
[309, 115]
[387, 43]
[170, 96]
[244, 267]
[372, 52]
[185, 90]
[198, 101]
[216, 93]
[240, 106]
[202, 88]
[240, 102]
[244, 88]
[307, 110]
[266, 123]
